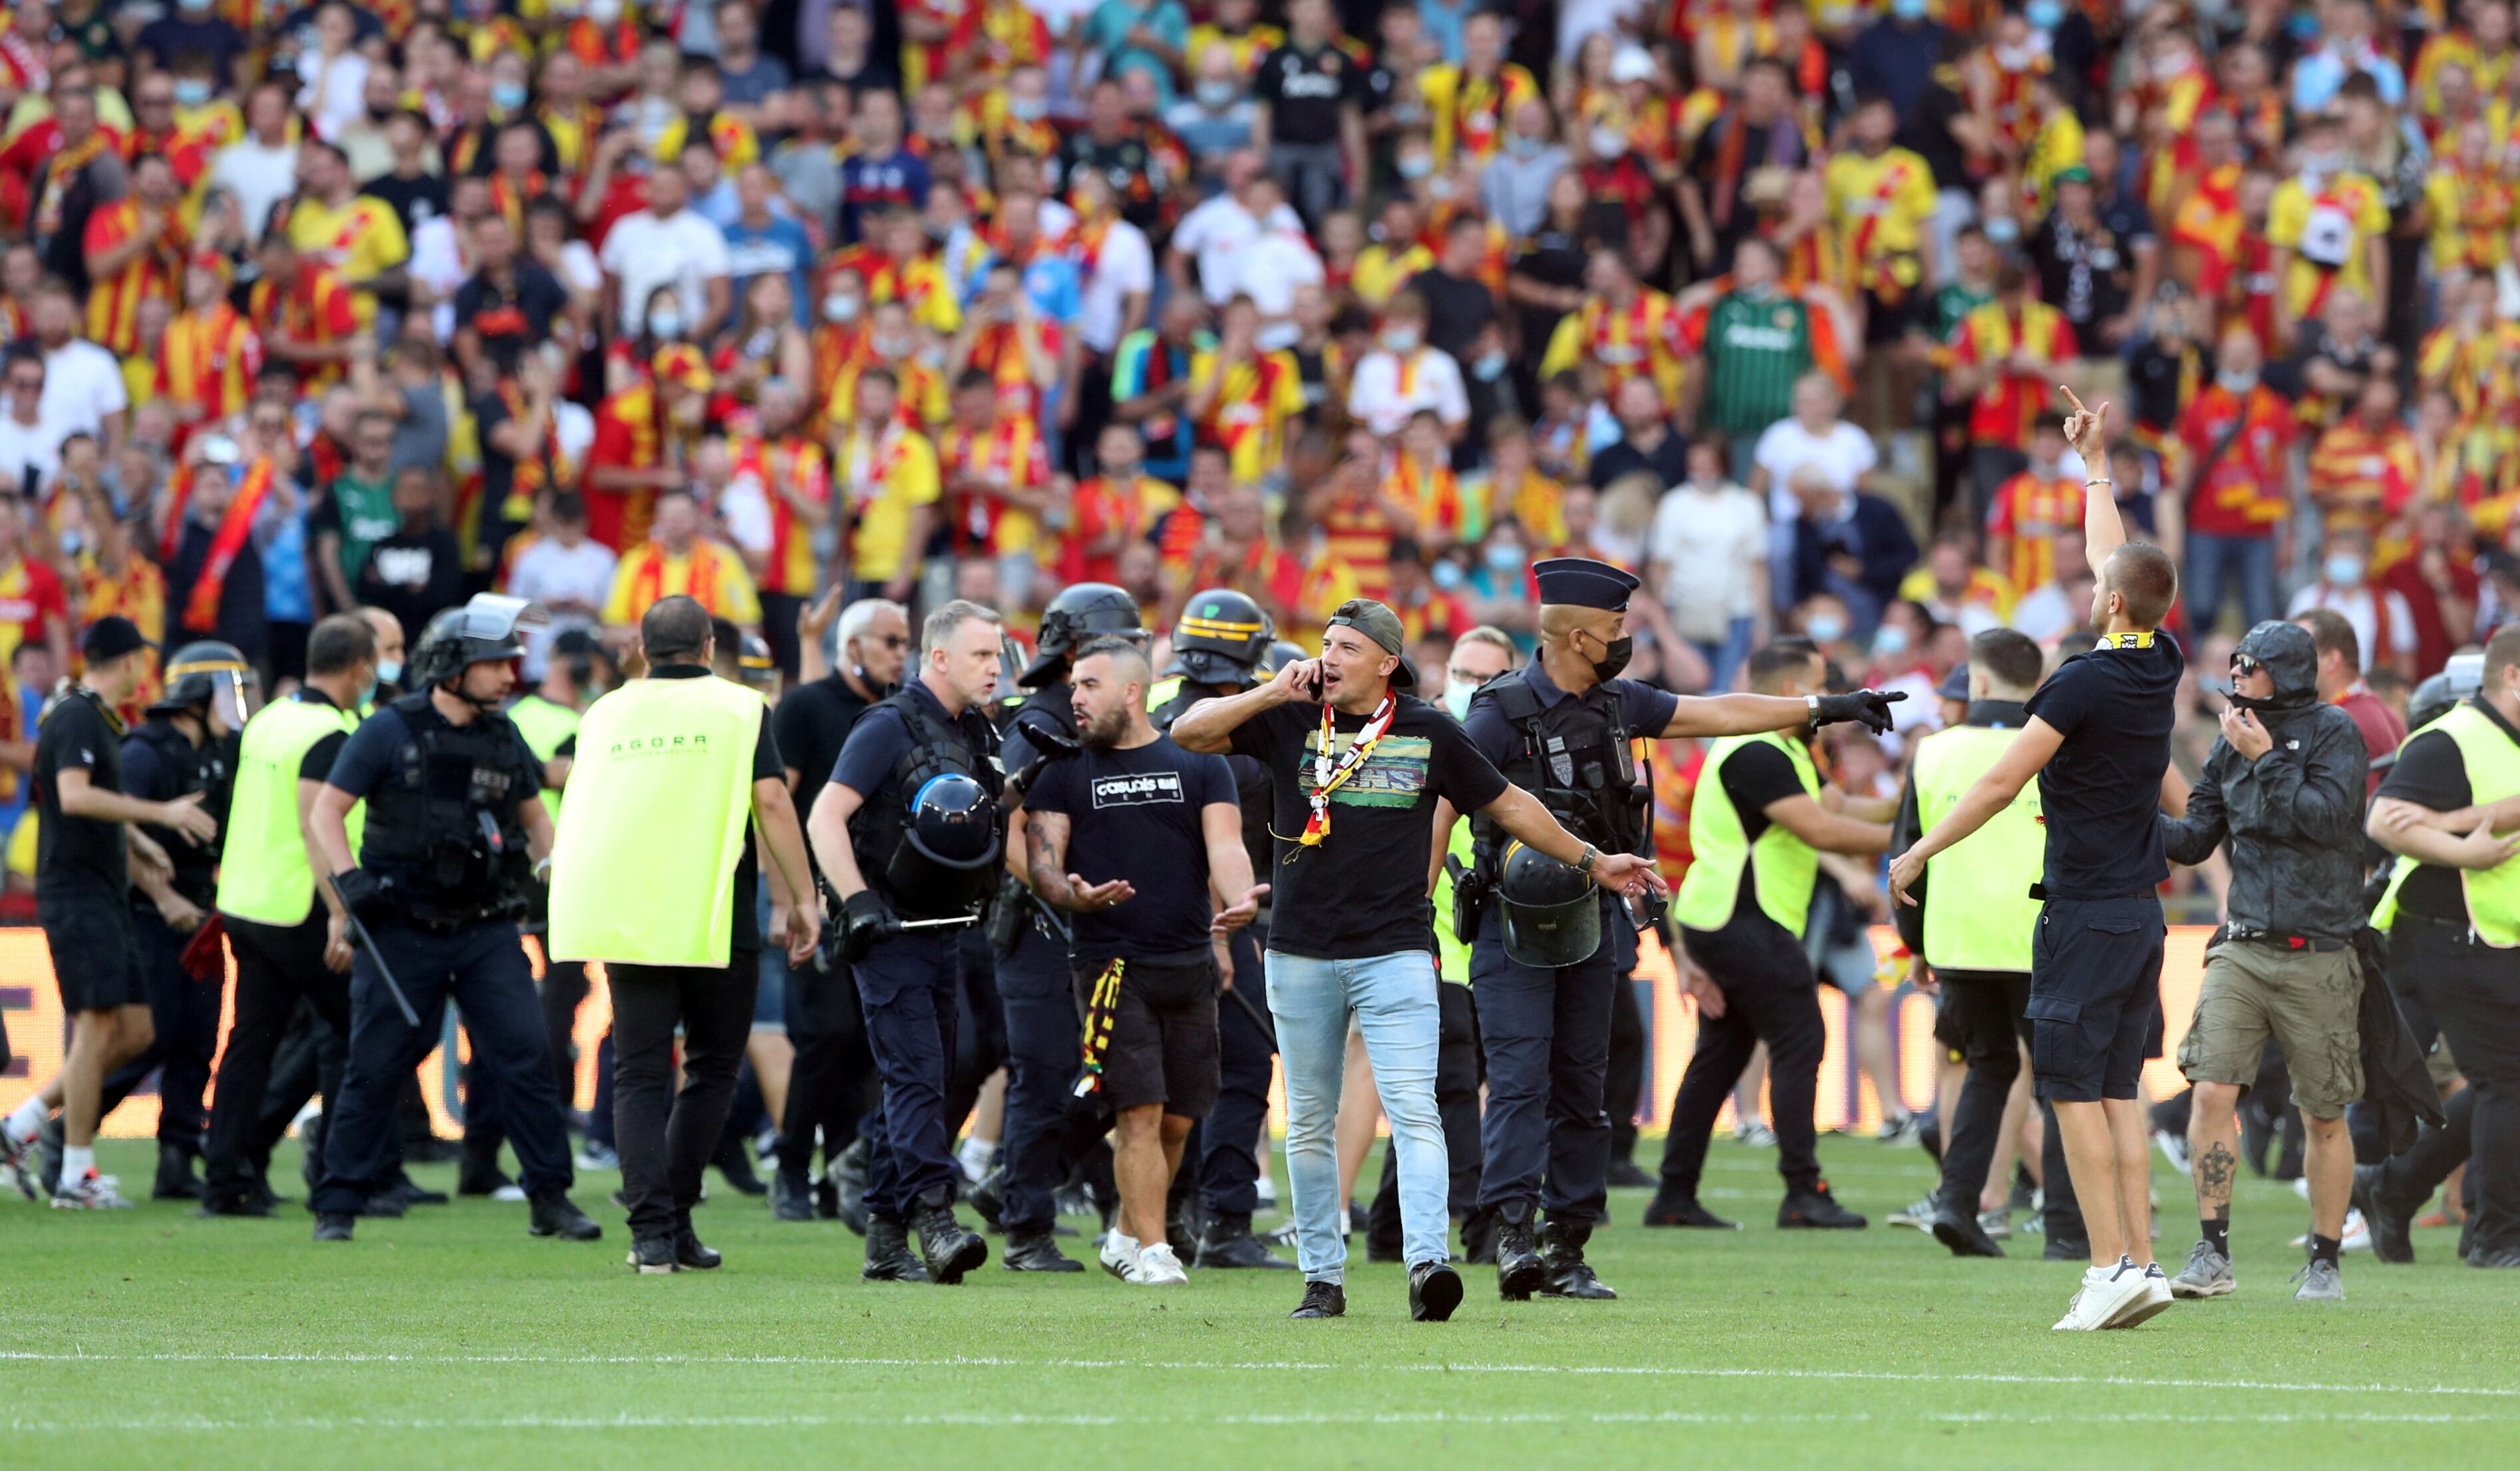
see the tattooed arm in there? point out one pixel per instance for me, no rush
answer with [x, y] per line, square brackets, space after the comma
[1046, 858]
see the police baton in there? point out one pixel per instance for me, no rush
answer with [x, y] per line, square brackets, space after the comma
[959, 920]
[376, 953]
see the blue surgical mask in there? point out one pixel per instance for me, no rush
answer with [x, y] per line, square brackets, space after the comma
[1504, 556]
[508, 97]
[1456, 697]
[1487, 365]
[1216, 95]
[1889, 642]
[389, 672]
[2046, 15]
[1448, 574]
[1826, 628]
[1907, 10]
[1416, 166]
[665, 326]
[1525, 145]
[2342, 569]
[2003, 230]
[191, 91]
[1028, 109]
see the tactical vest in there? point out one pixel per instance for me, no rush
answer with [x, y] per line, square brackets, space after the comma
[1783, 866]
[425, 836]
[263, 874]
[194, 768]
[967, 745]
[2493, 763]
[1979, 915]
[1576, 758]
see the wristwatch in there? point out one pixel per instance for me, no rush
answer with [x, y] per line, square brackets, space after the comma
[1583, 864]
[1811, 702]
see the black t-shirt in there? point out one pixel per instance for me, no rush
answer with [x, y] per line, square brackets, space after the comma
[151, 776]
[767, 766]
[1459, 310]
[1139, 815]
[78, 734]
[499, 475]
[2431, 772]
[2085, 273]
[2101, 791]
[1754, 776]
[813, 720]
[511, 317]
[1668, 460]
[416, 200]
[1363, 891]
[1927, 133]
[413, 575]
[1553, 257]
[1305, 91]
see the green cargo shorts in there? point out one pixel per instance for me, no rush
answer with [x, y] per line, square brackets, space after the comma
[2306, 1000]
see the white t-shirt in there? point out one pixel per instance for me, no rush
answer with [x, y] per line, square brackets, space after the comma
[546, 570]
[2358, 608]
[643, 253]
[332, 94]
[1707, 543]
[437, 262]
[1373, 396]
[259, 177]
[1844, 453]
[82, 383]
[26, 448]
[1215, 234]
[1272, 268]
[2046, 614]
[1124, 267]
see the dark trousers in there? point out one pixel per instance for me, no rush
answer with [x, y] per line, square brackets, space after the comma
[1457, 1106]
[779, 612]
[185, 1014]
[829, 1086]
[307, 1065]
[2474, 994]
[1545, 1140]
[565, 988]
[666, 1136]
[1624, 1088]
[1229, 1138]
[910, 985]
[1982, 1011]
[979, 1029]
[277, 968]
[1044, 1051]
[482, 969]
[1770, 995]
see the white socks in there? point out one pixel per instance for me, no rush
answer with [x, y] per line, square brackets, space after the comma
[974, 1155]
[75, 1163]
[27, 1120]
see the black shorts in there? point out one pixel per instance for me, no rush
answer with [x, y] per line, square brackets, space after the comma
[96, 948]
[2094, 993]
[1163, 1036]
[1890, 321]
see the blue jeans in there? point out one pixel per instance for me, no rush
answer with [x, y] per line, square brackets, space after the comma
[1723, 659]
[1393, 1000]
[2248, 561]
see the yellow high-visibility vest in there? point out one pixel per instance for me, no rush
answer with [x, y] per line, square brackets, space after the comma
[1979, 915]
[2493, 765]
[263, 872]
[1784, 865]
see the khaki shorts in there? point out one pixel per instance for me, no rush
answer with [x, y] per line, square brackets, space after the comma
[2306, 1000]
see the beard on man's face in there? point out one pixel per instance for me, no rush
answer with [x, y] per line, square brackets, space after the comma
[1103, 731]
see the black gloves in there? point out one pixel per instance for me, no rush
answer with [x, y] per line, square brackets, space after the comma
[362, 894]
[1050, 743]
[1870, 706]
[864, 919]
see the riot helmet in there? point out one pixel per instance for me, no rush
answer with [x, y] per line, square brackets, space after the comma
[1220, 639]
[2462, 678]
[213, 677]
[1552, 915]
[1079, 613]
[488, 630]
[949, 850]
[1279, 655]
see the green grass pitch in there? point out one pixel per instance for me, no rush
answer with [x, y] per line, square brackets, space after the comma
[151, 1339]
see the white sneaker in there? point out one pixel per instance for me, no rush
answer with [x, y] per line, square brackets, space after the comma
[1157, 1267]
[1265, 1190]
[2106, 1293]
[2172, 1148]
[2157, 1296]
[509, 1194]
[1120, 1254]
[97, 1192]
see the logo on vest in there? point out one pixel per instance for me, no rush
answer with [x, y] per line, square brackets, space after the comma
[664, 744]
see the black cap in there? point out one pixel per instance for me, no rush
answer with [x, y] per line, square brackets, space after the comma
[1955, 685]
[109, 638]
[1581, 582]
[1382, 626]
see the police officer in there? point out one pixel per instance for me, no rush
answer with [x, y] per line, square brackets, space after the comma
[909, 835]
[653, 873]
[280, 935]
[1560, 728]
[1973, 921]
[1218, 644]
[2453, 917]
[1043, 1131]
[455, 830]
[183, 747]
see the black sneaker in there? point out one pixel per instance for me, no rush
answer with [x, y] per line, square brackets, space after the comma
[1628, 1175]
[1565, 1272]
[2068, 1249]
[1228, 1244]
[791, 1196]
[1815, 1209]
[1329, 1300]
[334, 1226]
[1959, 1229]
[49, 1141]
[2496, 1260]
[949, 1249]
[556, 1215]
[690, 1256]
[243, 1207]
[734, 1162]
[653, 1255]
[385, 1205]
[888, 1256]
[2392, 1230]
[849, 1171]
[410, 1192]
[477, 1184]
[1665, 1211]
[989, 1198]
[1434, 1291]
[175, 1177]
[1519, 1272]
[826, 1202]
[1036, 1251]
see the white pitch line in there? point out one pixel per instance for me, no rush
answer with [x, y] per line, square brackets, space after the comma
[968, 1362]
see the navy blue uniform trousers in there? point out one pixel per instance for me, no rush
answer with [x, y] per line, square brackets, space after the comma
[1545, 1139]
[910, 985]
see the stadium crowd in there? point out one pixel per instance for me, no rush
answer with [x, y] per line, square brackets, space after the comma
[791, 305]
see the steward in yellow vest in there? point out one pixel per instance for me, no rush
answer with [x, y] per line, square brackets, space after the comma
[286, 946]
[1973, 921]
[653, 873]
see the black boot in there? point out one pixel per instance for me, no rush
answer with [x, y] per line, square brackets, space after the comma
[334, 1226]
[1181, 1231]
[1228, 1243]
[949, 1249]
[850, 1171]
[653, 1255]
[1670, 1210]
[1815, 1209]
[175, 1179]
[250, 1206]
[477, 1174]
[1957, 1227]
[1478, 1238]
[556, 1215]
[1561, 1254]
[689, 1254]
[2391, 1235]
[734, 1160]
[989, 1198]
[791, 1196]
[888, 1256]
[1628, 1175]
[1034, 1250]
[1324, 1300]
[826, 1202]
[1519, 1272]
[1434, 1291]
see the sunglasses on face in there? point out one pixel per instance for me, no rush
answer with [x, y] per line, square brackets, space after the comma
[2242, 664]
[1467, 678]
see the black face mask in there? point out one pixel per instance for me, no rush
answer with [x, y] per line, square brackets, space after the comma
[1616, 654]
[376, 115]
